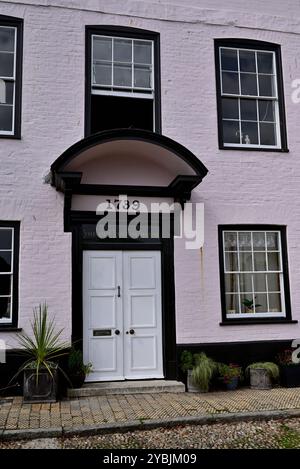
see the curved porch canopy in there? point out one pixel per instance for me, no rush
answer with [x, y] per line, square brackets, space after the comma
[128, 161]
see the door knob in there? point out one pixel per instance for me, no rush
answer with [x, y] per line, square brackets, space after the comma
[130, 332]
[117, 332]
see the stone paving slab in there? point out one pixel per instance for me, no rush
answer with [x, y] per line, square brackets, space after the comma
[112, 411]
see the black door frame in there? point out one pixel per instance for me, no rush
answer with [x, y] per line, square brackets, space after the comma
[164, 245]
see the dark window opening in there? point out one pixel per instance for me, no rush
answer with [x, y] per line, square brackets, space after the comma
[110, 112]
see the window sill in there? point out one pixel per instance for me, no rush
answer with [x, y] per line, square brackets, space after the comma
[247, 322]
[4, 328]
[14, 137]
[275, 150]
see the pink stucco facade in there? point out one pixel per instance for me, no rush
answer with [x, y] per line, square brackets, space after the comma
[242, 187]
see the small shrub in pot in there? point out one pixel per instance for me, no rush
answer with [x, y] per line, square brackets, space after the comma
[262, 374]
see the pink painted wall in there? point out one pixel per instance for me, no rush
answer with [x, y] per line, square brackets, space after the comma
[241, 187]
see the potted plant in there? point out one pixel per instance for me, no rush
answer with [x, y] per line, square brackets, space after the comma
[77, 370]
[249, 305]
[42, 349]
[262, 374]
[230, 375]
[202, 373]
[289, 371]
[186, 365]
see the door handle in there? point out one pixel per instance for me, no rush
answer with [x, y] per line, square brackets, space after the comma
[117, 332]
[119, 291]
[131, 332]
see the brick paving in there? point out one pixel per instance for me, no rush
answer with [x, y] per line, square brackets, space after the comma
[68, 414]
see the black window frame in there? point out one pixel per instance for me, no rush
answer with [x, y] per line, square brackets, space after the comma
[18, 24]
[257, 45]
[132, 33]
[15, 289]
[285, 267]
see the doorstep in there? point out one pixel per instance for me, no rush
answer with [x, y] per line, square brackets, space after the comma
[126, 387]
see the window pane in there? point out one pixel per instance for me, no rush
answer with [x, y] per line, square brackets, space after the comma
[245, 241]
[266, 85]
[7, 39]
[6, 113]
[122, 75]
[261, 303]
[267, 134]
[6, 65]
[231, 283]
[266, 111]
[229, 59]
[5, 239]
[273, 282]
[245, 262]
[142, 52]
[230, 108]
[102, 74]
[102, 48]
[5, 261]
[265, 62]
[5, 283]
[275, 303]
[5, 308]
[245, 283]
[231, 261]
[231, 132]
[142, 76]
[247, 303]
[232, 304]
[272, 241]
[247, 61]
[249, 133]
[230, 83]
[260, 261]
[122, 50]
[6, 92]
[259, 242]
[273, 261]
[230, 240]
[259, 281]
[248, 84]
[248, 109]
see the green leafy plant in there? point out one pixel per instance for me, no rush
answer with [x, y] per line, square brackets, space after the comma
[203, 371]
[43, 346]
[186, 361]
[76, 364]
[249, 304]
[270, 367]
[229, 372]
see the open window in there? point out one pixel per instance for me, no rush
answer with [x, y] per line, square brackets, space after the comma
[122, 79]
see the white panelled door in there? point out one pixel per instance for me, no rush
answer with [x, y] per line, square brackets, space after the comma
[122, 314]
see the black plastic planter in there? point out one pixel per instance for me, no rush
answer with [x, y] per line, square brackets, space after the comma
[43, 389]
[290, 376]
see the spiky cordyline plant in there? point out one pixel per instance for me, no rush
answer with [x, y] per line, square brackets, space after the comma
[43, 346]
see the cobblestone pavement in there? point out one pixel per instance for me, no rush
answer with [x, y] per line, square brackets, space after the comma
[14, 414]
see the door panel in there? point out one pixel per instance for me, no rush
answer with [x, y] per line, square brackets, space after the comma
[142, 315]
[136, 352]
[102, 314]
